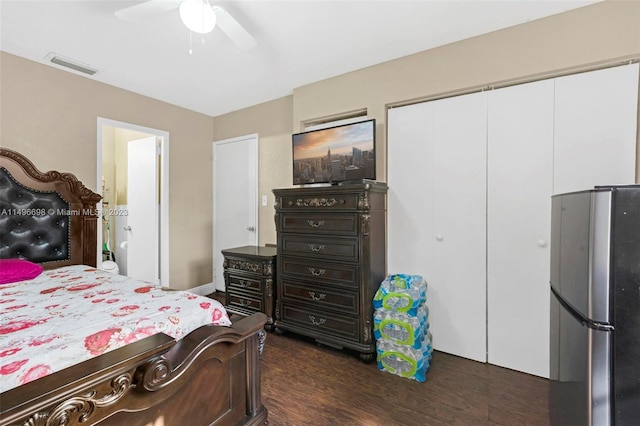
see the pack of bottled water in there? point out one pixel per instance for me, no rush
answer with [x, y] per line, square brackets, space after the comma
[401, 293]
[405, 361]
[401, 326]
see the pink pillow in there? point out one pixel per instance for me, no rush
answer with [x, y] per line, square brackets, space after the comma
[13, 270]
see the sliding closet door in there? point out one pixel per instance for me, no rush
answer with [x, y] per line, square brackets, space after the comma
[437, 214]
[519, 184]
[410, 167]
[595, 128]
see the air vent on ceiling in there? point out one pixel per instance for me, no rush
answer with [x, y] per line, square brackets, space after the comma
[71, 64]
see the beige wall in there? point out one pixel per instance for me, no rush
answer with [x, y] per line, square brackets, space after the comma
[272, 122]
[51, 115]
[604, 33]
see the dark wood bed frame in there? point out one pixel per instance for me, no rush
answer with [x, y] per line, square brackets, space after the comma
[211, 376]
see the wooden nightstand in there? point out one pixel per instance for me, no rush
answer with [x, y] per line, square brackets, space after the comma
[250, 277]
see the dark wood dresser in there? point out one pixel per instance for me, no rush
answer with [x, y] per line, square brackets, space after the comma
[249, 277]
[331, 261]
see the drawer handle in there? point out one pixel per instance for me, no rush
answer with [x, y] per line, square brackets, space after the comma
[314, 322]
[312, 294]
[316, 248]
[244, 303]
[317, 273]
[315, 224]
[244, 283]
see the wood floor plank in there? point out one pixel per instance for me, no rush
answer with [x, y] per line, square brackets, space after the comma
[304, 384]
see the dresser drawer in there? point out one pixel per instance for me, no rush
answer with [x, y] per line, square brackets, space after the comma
[320, 297]
[335, 224]
[344, 249]
[337, 325]
[243, 283]
[238, 300]
[331, 273]
[327, 201]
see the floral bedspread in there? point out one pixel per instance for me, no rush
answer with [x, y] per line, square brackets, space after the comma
[71, 314]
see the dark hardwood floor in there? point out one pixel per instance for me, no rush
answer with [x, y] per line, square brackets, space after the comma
[307, 384]
[304, 384]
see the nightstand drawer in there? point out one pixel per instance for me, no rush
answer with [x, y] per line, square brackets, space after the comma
[243, 283]
[322, 271]
[320, 297]
[326, 201]
[247, 265]
[318, 320]
[343, 249]
[241, 301]
[336, 224]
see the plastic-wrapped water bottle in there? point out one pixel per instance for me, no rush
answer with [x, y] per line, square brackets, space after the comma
[401, 328]
[405, 361]
[401, 293]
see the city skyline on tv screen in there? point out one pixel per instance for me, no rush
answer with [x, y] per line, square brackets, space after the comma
[335, 154]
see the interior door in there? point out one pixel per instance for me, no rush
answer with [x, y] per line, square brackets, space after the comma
[437, 214]
[519, 185]
[142, 227]
[235, 198]
[458, 266]
[595, 128]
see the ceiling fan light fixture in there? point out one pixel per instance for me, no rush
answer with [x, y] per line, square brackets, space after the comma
[198, 16]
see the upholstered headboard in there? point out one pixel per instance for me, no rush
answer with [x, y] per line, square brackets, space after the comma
[48, 218]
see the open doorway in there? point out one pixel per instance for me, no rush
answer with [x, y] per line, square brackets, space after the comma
[133, 178]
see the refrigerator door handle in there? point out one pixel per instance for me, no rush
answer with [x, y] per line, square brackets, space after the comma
[591, 324]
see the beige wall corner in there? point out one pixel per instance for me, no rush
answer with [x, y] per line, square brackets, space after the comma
[272, 122]
[50, 116]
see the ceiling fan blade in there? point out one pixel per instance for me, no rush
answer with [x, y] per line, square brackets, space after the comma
[146, 9]
[233, 29]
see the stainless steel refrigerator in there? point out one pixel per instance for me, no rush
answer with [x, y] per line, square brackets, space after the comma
[595, 307]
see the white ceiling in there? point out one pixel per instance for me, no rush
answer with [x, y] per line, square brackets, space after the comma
[299, 42]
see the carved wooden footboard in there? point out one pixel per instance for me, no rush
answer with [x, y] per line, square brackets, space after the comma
[211, 376]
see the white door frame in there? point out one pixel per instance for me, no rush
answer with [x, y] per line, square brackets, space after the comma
[164, 189]
[254, 137]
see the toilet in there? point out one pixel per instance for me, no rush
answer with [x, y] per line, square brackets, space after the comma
[110, 266]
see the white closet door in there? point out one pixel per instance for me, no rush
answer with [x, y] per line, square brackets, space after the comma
[519, 185]
[458, 291]
[437, 214]
[595, 128]
[410, 165]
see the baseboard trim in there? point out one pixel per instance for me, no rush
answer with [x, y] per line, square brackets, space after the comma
[204, 289]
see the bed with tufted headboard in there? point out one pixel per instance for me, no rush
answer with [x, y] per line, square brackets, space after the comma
[49, 218]
[211, 375]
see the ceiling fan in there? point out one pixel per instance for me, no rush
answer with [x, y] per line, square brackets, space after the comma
[199, 16]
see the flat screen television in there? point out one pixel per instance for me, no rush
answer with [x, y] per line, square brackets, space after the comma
[336, 154]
